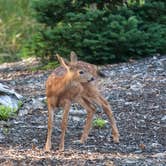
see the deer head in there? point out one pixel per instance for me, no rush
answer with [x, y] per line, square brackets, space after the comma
[74, 70]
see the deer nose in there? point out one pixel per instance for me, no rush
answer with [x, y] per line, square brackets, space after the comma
[92, 79]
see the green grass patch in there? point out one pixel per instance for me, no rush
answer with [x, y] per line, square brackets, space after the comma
[99, 123]
[7, 112]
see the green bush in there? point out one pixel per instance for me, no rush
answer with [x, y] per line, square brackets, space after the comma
[99, 32]
[151, 11]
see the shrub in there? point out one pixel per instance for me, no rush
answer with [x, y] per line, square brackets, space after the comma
[99, 32]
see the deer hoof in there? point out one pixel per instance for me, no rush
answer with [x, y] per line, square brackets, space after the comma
[61, 148]
[116, 139]
[46, 149]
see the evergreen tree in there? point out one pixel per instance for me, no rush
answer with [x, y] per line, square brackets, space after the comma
[100, 31]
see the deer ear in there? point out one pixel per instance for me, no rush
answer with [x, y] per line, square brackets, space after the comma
[63, 63]
[73, 57]
[60, 60]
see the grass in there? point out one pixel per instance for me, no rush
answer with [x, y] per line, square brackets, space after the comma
[8, 112]
[99, 123]
[16, 27]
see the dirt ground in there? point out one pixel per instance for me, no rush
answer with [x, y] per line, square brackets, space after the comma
[137, 94]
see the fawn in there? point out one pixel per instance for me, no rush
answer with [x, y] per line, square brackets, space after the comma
[72, 82]
[62, 90]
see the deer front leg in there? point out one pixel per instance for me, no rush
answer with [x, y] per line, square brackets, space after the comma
[90, 112]
[64, 124]
[107, 109]
[50, 124]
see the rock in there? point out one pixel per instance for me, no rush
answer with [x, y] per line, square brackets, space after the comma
[130, 161]
[34, 141]
[77, 112]
[76, 118]
[155, 145]
[4, 123]
[163, 118]
[23, 112]
[9, 98]
[160, 155]
[136, 86]
[1, 136]
[37, 103]
[6, 90]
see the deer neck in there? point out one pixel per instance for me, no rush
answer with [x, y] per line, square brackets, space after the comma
[67, 81]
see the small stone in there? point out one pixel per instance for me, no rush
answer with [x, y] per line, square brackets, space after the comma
[163, 118]
[155, 145]
[128, 103]
[76, 118]
[37, 104]
[23, 112]
[3, 123]
[1, 136]
[160, 155]
[130, 161]
[77, 112]
[77, 142]
[136, 86]
[35, 141]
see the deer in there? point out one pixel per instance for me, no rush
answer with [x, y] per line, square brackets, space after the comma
[73, 82]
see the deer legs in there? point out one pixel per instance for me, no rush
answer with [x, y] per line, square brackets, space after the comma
[64, 124]
[90, 112]
[50, 124]
[88, 104]
[107, 109]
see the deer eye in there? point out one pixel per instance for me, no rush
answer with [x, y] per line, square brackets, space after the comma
[81, 72]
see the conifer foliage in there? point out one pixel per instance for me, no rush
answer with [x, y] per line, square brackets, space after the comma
[100, 31]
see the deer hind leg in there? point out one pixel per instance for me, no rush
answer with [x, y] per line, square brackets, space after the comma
[90, 112]
[107, 109]
[50, 124]
[64, 124]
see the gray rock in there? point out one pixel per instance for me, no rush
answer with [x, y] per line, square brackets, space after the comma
[9, 98]
[77, 112]
[23, 112]
[163, 118]
[76, 118]
[37, 103]
[130, 161]
[1, 136]
[6, 90]
[136, 86]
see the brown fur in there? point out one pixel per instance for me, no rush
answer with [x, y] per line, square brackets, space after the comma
[68, 87]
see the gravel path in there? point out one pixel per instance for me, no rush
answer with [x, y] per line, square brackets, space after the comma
[137, 94]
